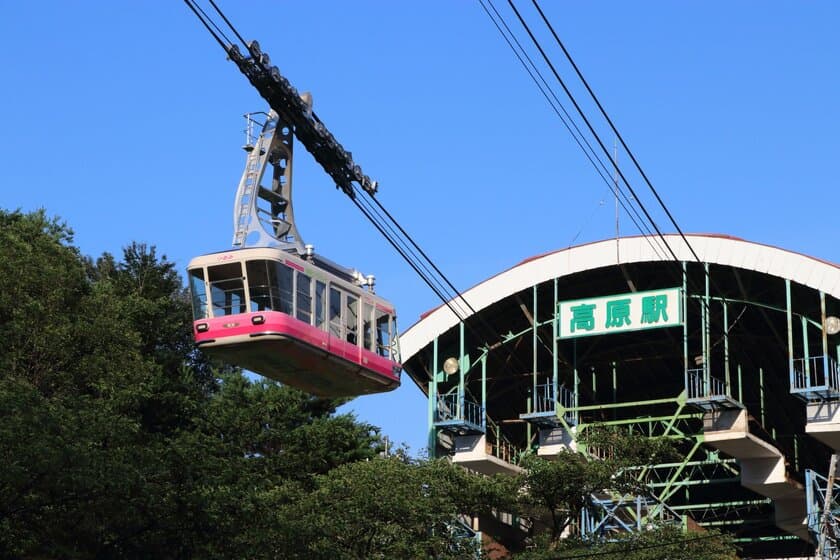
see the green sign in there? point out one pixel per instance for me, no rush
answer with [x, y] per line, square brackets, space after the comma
[619, 313]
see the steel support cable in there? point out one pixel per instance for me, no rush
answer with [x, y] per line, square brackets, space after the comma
[546, 58]
[661, 236]
[480, 327]
[591, 128]
[207, 22]
[490, 332]
[577, 134]
[405, 257]
[614, 129]
[620, 139]
[440, 291]
[227, 21]
[386, 228]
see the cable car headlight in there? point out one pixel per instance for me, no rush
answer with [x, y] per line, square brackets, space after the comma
[202, 327]
[258, 319]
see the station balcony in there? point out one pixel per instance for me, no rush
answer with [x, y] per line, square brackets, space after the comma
[708, 392]
[816, 381]
[548, 409]
[487, 453]
[456, 413]
[816, 378]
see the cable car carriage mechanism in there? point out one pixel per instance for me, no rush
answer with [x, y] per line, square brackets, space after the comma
[271, 305]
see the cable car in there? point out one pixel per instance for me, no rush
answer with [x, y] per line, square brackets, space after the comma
[294, 321]
[274, 307]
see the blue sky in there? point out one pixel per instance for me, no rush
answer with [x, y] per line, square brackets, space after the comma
[124, 118]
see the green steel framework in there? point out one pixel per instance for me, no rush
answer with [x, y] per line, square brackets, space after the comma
[455, 407]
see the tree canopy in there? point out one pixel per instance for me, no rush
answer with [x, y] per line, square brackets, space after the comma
[120, 440]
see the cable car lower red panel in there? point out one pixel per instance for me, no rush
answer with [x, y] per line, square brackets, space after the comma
[280, 347]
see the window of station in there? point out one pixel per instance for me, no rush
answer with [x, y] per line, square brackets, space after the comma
[260, 289]
[320, 304]
[383, 333]
[304, 298]
[227, 291]
[351, 319]
[335, 312]
[367, 326]
[198, 293]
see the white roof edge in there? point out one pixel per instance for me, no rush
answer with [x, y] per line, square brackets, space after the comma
[713, 249]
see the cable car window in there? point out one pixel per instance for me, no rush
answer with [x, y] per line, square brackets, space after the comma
[383, 334]
[367, 325]
[280, 276]
[304, 298]
[351, 319]
[227, 291]
[320, 302]
[198, 293]
[335, 312]
[259, 285]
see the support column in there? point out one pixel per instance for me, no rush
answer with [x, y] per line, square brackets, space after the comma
[827, 380]
[462, 366]
[726, 348]
[554, 369]
[789, 311]
[432, 438]
[484, 390]
[707, 363]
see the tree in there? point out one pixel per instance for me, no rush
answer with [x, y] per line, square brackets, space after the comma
[389, 508]
[120, 439]
[670, 543]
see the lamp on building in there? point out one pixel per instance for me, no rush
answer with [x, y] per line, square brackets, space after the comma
[832, 325]
[450, 366]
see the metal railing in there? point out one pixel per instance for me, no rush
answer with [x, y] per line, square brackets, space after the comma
[815, 372]
[698, 387]
[544, 398]
[499, 446]
[545, 401]
[455, 407]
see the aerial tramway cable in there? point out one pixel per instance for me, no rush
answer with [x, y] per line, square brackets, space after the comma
[356, 189]
[570, 124]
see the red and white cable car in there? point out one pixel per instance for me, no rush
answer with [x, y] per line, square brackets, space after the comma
[274, 307]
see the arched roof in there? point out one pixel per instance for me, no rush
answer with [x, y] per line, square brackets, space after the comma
[712, 249]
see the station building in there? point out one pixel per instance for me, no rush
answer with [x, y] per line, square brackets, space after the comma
[731, 349]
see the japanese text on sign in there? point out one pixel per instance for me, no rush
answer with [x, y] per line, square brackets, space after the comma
[619, 313]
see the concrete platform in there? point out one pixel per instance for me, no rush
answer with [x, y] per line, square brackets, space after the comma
[554, 441]
[762, 467]
[823, 422]
[471, 451]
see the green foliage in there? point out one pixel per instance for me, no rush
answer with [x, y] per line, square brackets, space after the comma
[563, 487]
[627, 449]
[120, 440]
[388, 508]
[669, 543]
